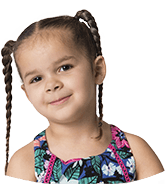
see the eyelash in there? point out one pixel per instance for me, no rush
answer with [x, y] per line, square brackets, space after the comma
[32, 81]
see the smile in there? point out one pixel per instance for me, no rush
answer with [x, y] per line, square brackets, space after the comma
[60, 101]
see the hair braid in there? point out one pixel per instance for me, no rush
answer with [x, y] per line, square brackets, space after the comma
[86, 16]
[7, 71]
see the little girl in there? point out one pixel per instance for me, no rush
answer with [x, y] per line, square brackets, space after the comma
[60, 63]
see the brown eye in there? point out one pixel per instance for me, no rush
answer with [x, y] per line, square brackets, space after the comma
[36, 79]
[66, 67]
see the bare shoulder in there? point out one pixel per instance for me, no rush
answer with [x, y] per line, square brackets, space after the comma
[21, 164]
[147, 162]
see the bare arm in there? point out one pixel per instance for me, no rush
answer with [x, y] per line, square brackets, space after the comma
[21, 164]
[147, 163]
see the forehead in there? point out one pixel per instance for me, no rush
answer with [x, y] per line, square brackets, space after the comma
[46, 43]
[43, 40]
[46, 37]
[45, 47]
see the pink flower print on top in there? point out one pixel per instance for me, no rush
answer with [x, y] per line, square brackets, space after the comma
[36, 143]
[48, 152]
[46, 164]
[119, 137]
[121, 144]
[115, 131]
[43, 138]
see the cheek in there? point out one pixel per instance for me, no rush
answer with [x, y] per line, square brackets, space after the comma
[83, 85]
[78, 82]
[83, 73]
[35, 96]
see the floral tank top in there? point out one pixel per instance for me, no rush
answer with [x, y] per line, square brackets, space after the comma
[115, 165]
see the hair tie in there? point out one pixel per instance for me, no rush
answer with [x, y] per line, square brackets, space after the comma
[100, 124]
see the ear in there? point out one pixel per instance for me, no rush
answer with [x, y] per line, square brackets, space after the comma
[23, 88]
[99, 69]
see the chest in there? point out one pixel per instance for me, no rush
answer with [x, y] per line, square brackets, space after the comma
[115, 165]
[66, 152]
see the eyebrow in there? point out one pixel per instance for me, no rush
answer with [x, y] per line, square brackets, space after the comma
[65, 58]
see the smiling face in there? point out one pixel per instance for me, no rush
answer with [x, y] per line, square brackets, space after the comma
[50, 71]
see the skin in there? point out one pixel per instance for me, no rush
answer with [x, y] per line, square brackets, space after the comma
[73, 123]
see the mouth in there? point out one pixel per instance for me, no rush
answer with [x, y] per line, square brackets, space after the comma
[60, 101]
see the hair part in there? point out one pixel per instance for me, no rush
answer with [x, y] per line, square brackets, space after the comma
[84, 36]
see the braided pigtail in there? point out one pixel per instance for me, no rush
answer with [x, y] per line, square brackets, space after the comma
[7, 71]
[87, 17]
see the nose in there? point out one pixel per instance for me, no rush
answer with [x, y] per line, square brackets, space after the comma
[53, 84]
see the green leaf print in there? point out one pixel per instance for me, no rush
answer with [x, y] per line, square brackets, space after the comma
[113, 142]
[95, 161]
[123, 154]
[39, 164]
[57, 170]
[88, 180]
[72, 172]
[114, 182]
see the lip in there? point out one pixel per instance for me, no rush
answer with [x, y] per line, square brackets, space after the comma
[60, 101]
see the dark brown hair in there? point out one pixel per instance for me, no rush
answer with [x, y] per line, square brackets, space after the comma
[84, 35]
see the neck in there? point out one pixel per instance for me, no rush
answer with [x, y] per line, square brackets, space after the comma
[81, 129]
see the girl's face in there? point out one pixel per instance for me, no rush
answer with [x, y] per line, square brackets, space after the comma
[50, 71]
